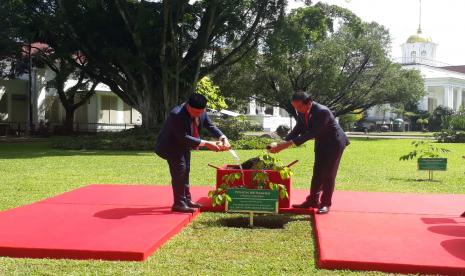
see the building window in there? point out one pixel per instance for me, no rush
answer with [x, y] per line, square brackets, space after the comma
[423, 54]
[108, 108]
[128, 114]
[413, 55]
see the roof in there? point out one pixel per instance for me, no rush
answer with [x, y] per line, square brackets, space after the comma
[35, 47]
[458, 68]
[419, 37]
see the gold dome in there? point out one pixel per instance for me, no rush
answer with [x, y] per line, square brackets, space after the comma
[418, 37]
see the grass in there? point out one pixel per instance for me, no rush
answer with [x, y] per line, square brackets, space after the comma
[394, 133]
[214, 243]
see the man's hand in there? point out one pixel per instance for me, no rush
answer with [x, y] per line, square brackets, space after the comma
[224, 144]
[212, 146]
[275, 148]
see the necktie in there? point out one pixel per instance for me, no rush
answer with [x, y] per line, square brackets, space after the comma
[195, 129]
[307, 117]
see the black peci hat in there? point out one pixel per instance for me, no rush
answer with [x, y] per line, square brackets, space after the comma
[197, 100]
[301, 96]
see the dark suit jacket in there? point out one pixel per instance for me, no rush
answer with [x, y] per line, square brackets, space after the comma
[175, 138]
[321, 126]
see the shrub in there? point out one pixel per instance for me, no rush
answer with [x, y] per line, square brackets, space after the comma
[132, 139]
[440, 118]
[450, 136]
[458, 122]
[232, 127]
[251, 142]
[348, 119]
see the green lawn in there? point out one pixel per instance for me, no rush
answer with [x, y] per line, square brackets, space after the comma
[214, 243]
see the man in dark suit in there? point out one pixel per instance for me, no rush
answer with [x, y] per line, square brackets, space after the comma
[316, 121]
[179, 135]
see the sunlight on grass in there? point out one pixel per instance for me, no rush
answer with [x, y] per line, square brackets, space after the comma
[214, 243]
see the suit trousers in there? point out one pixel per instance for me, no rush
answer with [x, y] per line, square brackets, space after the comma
[327, 159]
[179, 170]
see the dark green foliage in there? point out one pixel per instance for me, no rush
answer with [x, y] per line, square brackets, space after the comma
[440, 119]
[346, 69]
[152, 53]
[457, 121]
[451, 123]
[140, 139]
[133, 139]
[450, 136]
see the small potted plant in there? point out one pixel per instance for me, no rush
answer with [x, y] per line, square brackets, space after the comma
[260, 180]
[428, 157]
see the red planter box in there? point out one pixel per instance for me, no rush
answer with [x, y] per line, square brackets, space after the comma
[274, 177]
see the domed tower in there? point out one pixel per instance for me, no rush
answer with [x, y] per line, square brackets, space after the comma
[419, 48]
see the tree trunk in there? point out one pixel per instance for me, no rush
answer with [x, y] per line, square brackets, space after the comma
[69, 121]
[152, 112]
[290, 109]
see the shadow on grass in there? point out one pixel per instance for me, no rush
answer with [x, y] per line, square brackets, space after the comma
[415, 180]
[367, 139]
[316, 252]
[44, 149]
[267, 221]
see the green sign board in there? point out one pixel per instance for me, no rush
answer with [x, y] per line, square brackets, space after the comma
[432, 164]
[252, 200]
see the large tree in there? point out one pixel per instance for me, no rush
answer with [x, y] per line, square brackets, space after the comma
[152, 53]
[346, 69]
[22, 25]
[14, 56]
[73, 86]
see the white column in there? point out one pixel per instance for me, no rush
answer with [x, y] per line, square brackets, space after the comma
[423, 103]
[261, 109]
[4, 97]
[41, 104]
[460, 98]
[252, 107]
[276, 111]
[120, 112]
[455, 92]
[34, 97]
[463, 97]
[448, 96]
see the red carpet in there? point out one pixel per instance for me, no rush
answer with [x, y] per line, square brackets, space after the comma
[391, 232]
[404, 233]
[110, 222]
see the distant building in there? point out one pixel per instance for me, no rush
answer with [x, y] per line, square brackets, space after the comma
[268, 117]
[444, 84]
[103, 111]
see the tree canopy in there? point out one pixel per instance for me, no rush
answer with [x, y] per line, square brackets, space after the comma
[152, 53]
[345, 68]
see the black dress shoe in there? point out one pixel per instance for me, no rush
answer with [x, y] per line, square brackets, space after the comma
[192, 204]
[182, 209]
[323, 210]
[306, 204]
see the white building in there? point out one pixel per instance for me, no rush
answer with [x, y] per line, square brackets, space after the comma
[269, 117]
[444, 85]
[103, 111]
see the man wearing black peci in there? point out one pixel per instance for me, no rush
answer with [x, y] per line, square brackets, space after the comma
[316, 121]
[179, 135]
